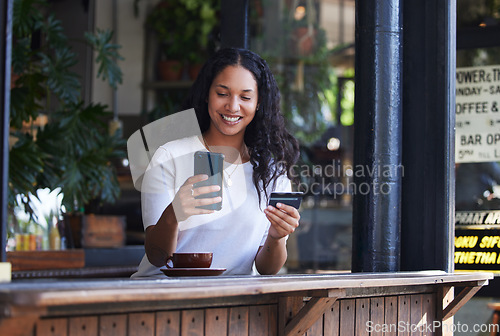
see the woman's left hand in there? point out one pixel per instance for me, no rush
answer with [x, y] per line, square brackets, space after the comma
[284, 220]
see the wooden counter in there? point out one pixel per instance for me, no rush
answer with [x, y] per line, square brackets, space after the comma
[329, 304]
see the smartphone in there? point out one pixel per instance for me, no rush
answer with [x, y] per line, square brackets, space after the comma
[211, 164]
[289, 198]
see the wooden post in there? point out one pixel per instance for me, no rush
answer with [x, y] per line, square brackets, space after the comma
[378, 136]
[5, 65]
[234, 23]
[428, 187]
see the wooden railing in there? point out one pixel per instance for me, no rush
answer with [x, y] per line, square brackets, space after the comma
[333, 304]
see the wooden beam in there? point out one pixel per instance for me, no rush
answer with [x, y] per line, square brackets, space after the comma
[288, 307]
[18, 326]
[308, 315]
[5, 66]
[461, 299]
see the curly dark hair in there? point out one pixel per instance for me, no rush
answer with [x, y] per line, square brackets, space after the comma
[266, 137]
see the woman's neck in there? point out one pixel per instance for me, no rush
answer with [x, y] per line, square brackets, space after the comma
[233, 147]
[219, 139]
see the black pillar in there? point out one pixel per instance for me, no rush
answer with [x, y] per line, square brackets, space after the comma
[234, 23]
[5, 61]
[427, 219]
[377, 144]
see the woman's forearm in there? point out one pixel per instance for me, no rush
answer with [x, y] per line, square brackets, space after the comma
[161, 239]
[272, 256]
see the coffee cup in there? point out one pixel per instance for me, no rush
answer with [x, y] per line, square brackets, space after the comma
[190, 260]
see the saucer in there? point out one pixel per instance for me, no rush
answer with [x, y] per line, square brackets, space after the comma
[178, 272]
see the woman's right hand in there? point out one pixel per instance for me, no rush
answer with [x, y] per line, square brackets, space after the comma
[186, 205]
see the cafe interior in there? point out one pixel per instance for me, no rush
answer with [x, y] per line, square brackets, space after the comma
[85, 76]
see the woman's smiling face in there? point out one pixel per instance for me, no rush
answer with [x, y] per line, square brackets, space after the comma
[232, 100]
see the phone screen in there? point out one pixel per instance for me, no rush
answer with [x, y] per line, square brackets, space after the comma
[211, 164]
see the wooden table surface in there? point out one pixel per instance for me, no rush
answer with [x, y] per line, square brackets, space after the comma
[47, 293]
[290, 304]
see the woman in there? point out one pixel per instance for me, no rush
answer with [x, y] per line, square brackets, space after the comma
[236, 101]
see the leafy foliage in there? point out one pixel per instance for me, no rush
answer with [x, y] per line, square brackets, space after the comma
[303, 76]
[26, 162]
[183, 27]
[73, 150]
[80, 150]
[107, 56]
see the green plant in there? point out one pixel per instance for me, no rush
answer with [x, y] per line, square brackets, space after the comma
[73, 150]
[183, 27]
[168, 103]
[305, 78]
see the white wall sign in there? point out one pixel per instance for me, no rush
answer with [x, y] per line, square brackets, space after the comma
[477, 111]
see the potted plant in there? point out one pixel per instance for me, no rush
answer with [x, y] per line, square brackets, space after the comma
[300, 62]
[203, 42]
[182, 29]
[72, 150]
[303, 28]
[163, 21]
